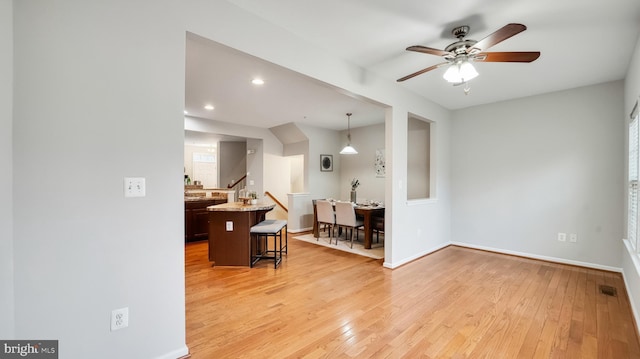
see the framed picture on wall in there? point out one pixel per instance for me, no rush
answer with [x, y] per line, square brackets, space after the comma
[326, 163]
[380, 163]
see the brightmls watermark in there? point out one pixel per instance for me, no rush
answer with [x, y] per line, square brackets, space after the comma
[30, 349]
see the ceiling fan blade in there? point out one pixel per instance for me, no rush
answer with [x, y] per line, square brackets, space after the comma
[422, 71]
[529, 56]
[500, 35]
[427, 50]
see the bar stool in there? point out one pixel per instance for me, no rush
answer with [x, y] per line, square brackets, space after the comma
[260, 233]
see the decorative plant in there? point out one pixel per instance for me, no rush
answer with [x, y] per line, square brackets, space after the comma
[354, 184]
[253, 195]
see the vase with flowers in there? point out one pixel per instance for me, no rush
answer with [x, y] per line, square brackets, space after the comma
[354, 185]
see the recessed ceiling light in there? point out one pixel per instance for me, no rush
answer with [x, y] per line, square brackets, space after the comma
[208, 107]
[257, 81]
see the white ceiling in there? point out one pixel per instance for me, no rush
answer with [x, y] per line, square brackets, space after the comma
[221, 76]
[582, 42]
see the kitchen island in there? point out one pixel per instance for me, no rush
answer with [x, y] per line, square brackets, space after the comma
[229, 226]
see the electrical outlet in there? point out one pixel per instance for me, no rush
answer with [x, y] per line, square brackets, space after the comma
[562, 237]
[134, 187]
[119, 318]
[573, 237]
[229, 226]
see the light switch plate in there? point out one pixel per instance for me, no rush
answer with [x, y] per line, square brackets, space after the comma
[229, 226]
[134, 187]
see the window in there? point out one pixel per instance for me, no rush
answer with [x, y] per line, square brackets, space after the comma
[632, 212]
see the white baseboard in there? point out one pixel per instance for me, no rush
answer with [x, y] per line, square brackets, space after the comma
[412, 258]
[634, 310]
[299, 230]
[178, 353]
[390, 265]
[627, 276]
[544, 258]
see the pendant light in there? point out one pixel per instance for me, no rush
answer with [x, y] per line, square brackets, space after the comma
[348, 150]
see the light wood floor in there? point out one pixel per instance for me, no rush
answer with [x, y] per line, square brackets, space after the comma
[455, 303]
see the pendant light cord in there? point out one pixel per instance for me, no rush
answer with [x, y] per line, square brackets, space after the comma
[349, 127]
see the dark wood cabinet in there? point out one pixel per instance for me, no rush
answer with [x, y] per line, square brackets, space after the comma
[196, 218]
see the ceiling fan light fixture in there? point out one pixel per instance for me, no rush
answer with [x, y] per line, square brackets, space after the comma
[467, 71]
[460, 71]
[348, 149]
[452, 74]
[459, 54]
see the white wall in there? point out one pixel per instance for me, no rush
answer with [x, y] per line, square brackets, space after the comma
[526, 169]
[296, 173]
[366, 140]
[96, 102]
[630, 261]
[421, 226]
[300, 169]
[327, 142]
[6, 175]
[277, 171]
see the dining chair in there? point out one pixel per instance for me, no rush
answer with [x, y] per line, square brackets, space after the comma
[378, 226]
[346, 217]
[326, 216]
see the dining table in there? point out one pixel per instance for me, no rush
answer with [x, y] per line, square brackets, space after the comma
[368, 212]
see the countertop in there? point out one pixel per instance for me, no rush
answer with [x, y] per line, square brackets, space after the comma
[240, 207]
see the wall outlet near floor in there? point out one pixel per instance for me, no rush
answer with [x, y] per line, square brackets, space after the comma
[119, 318]
[573, 237]
[562, 237]
[229, 226]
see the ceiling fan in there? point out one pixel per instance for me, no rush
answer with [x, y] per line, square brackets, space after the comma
[461, 53]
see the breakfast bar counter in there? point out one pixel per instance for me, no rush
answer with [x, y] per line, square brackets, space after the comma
[229, 226]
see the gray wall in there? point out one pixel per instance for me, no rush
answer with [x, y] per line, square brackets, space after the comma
[418, 159]
[6, 175]
[255, 167]
[526, 169]
[232, 161]
[94, 103]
